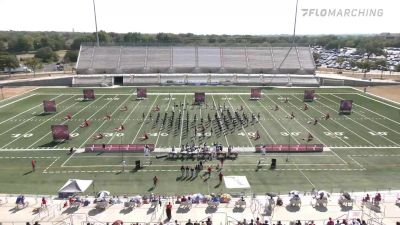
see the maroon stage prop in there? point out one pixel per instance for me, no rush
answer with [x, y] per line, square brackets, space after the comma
[255, 93]
[309, 95]
[60, 132]
[88, 94]
[290, 148]
[345, 106]
[49, 106]
[199, 97]
[117, 147]
[141, 93]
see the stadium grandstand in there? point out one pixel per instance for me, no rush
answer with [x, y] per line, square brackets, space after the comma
[194, 59]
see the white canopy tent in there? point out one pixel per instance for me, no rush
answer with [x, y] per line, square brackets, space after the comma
[73, 186]
[237, 183]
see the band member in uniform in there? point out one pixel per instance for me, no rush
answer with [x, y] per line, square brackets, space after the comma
[257, 135]
[292, 115]
[68, 116]
[315, 121]
[124, 108]
[120, 128]
[327, 116]
[98, 136]
[107, 117]
[310, 137]
[85, 123]
[145, 137]
[286, 100]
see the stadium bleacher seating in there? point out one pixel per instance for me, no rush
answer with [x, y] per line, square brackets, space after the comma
[190, 59]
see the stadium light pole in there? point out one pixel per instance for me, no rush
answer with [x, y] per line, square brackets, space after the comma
[95, 22]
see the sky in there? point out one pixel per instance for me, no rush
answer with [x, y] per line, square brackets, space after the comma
[252, 17]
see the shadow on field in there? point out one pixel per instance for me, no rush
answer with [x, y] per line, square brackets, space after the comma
[50, 144]
[43, 114]
[27, 173]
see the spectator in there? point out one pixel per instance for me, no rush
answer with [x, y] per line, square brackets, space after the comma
[266, 222]
[168, 211]
[330, 222]
[189, 222]
[208, 222]
[196, 223]
[298, 222]
[338, 222]
[44, 202]
[279, 222]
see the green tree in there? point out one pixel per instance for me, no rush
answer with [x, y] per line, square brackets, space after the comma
[71, 56]
[104, 37]
[398, 68]
[76, 43]
[22, 43]
[34, 64]
[380, 63]
[370, 46]
[46, 54]
[133, 37]
[8, 61]
[340, 60]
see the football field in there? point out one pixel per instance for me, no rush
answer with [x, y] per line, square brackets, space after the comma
[362, 149]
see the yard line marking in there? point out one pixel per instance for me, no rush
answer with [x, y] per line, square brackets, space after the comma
[311, 118]
[367, 147]
[67, 121]
[183, 115]
[247, 135]
[316, 137]
[37, 126]
[30, 119]
[161, 127]
[27, 110]
[17, 100]
[378, 100]
[356, 162]
[303, 174]
[262, 126]
[369, 118]
[144, 121]
[345, 127]
[45, 170]
[366, 127]
[219, 117]
[210, 93]
[134, 108]
[116, 110]
[276, 120]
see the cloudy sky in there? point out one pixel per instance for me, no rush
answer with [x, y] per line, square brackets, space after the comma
[255, 17]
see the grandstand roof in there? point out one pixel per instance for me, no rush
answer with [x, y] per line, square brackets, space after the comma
[191, 59]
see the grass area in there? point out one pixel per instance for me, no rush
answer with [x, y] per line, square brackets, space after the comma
[363, 151]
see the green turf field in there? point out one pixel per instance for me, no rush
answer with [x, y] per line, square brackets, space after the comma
[363, 147]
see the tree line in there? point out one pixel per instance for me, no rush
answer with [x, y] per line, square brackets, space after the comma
[44, 44]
